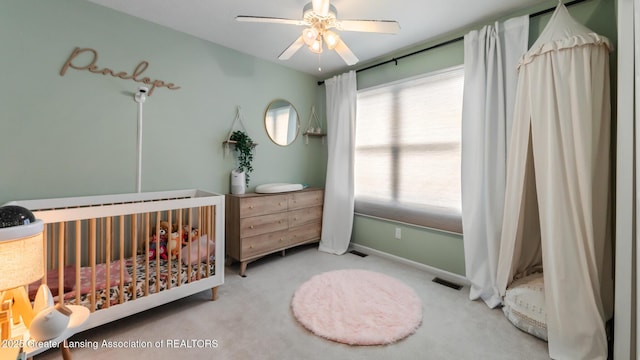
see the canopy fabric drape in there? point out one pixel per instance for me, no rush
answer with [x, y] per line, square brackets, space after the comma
[337, 218]
[558, 161]
[491, 56]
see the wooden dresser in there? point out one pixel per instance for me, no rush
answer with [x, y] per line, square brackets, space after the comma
[261, 224]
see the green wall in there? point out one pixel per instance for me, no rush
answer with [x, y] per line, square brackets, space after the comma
[75, 135]
[431, 247]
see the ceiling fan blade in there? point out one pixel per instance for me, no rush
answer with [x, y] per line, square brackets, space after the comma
[377, 26]
[345, 53]
[295, 46]
[321, 7]
[264, 19]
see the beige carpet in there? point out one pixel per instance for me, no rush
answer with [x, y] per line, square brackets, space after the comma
[252, 320]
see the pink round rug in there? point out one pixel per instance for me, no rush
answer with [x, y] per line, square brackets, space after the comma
[357, 307]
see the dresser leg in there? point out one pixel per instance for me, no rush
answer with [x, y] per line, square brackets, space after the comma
[243, 268]
[214, 293]
[282, 253]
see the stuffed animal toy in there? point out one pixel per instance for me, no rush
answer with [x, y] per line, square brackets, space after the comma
[195, 234]
[159, 241]
[162, 232]
[175, 243]
[162, 249]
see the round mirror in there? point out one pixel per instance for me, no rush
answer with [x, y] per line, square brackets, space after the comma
[282, 122]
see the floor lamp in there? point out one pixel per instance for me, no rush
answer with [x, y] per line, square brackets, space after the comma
[21, 263]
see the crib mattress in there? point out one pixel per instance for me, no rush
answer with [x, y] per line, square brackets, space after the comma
[179, 276]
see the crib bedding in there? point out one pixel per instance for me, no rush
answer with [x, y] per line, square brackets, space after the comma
[180, 274]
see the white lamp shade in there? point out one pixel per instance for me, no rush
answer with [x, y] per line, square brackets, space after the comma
[21, 255]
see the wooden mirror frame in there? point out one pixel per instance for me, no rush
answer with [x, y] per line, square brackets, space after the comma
[278, 111]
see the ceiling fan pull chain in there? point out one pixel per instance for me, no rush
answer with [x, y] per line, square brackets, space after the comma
[319, 64]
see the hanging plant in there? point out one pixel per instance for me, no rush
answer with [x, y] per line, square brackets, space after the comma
[244, 147]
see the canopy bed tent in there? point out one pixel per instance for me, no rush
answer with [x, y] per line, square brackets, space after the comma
[557, 217]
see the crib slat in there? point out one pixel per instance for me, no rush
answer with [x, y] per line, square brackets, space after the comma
[78, 259]
[147, 225]
[92, 261]
[107, 251]
[122, 262]
[210, 212]
[180, 240]
[61, 263]
[169, 235]
[190, 220]
[134, 252]
[158, 252]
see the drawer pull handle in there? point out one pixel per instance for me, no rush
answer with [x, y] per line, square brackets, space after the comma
[251, 227]
[250, 246]
[250, 206]
[280, 239]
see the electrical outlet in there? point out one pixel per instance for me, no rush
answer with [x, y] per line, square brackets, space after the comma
[398, 233]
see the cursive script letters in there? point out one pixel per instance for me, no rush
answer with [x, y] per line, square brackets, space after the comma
[135, 75]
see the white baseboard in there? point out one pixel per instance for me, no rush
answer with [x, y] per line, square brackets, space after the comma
[445, 275]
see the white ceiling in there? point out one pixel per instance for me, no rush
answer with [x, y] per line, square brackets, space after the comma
[214, 20]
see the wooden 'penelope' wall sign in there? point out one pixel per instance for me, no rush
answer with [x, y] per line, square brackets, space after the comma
[135, 75]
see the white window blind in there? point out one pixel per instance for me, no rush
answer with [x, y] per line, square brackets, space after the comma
[407, 156]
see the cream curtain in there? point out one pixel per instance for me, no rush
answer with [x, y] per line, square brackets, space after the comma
[627, 336]
[337, 219]
[491, 55]
[560, 144]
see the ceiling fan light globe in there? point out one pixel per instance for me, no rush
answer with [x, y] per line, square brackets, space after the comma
[309, 35]
[331, 39]
[316, 46]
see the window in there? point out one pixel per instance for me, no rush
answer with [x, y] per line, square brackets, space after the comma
[407, 156]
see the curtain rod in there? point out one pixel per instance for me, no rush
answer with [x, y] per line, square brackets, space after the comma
[447, 42]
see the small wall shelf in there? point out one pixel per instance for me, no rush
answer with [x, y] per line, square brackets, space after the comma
[227, 142]
[313, 134]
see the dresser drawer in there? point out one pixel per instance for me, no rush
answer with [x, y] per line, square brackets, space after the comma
[306, 215]
[305, 233]
[305, 199]
[264, 244]
[263, 224]
[254, 206]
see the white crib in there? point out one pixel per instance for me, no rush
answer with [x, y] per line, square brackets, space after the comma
[96, 250]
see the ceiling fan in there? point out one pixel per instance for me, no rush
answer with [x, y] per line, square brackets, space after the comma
[319, 17]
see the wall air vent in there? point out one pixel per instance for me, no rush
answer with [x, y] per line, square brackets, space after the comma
[447, 283]
[356, 252]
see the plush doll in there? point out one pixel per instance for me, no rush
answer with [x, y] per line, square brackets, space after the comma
[159, 241]
[162, 249]
[175, 242]
[195, 234]
[162, 232]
